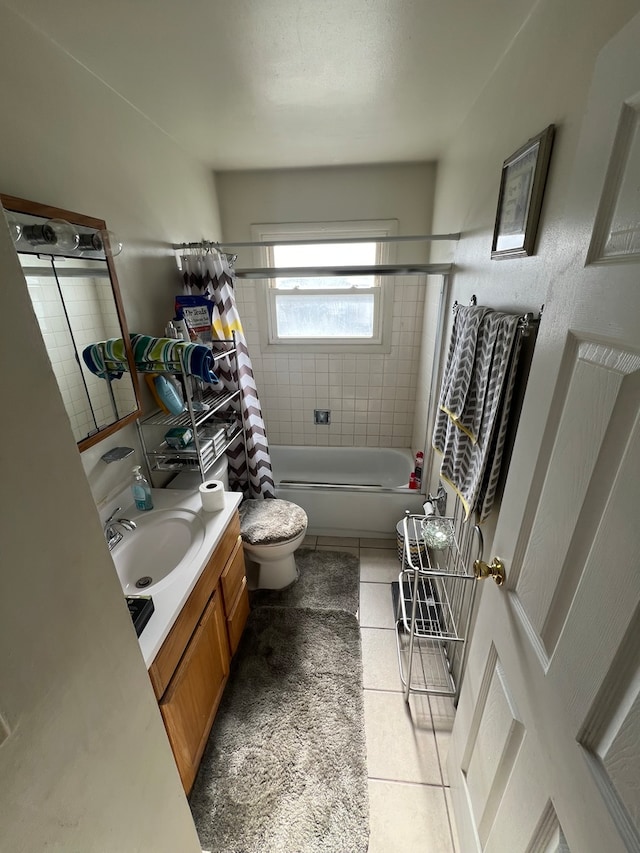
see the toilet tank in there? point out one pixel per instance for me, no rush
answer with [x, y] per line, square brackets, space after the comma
[190, 480]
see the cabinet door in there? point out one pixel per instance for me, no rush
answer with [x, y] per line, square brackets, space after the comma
[237, 617]
[233, 576]
[191, 700]
[236, 597]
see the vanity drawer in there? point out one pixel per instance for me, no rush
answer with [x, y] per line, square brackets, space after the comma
[237, 617]
[228, 541]
[232, 576]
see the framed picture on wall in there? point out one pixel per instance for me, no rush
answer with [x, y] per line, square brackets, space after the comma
[522, 183]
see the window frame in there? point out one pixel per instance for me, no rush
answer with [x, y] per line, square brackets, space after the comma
[383, 292]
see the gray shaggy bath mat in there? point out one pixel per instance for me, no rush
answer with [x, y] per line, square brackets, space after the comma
[285, 766]
[329, 580]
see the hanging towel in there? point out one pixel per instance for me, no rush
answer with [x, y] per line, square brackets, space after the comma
[476, 395]
[475, 391]
[461, 359]
[107, 358]
[491, 476]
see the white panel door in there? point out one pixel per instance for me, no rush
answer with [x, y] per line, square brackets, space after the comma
[545, 752]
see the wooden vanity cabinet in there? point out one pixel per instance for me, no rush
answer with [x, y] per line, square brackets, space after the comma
[190, 671]
[192, 698]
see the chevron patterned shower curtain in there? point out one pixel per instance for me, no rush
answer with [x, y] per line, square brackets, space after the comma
[213, 275]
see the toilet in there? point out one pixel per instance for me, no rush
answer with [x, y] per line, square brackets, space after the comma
[271, 530]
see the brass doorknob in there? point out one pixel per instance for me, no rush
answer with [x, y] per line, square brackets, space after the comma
[494, 569]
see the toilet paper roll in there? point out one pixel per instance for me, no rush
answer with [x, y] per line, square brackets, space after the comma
[212, 495]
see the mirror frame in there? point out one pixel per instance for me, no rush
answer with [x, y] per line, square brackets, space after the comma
[21, 205]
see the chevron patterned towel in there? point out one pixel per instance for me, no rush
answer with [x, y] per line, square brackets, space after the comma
[461, 359]
[475, 400]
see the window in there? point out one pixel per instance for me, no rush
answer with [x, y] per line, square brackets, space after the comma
[333, 312]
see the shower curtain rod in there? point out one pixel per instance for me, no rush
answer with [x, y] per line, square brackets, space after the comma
[318, 241]
[326, 272]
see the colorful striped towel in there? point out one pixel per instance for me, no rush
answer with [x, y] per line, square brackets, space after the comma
[162, 352]
[108, 358]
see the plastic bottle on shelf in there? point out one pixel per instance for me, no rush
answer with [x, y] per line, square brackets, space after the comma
[413, 481]
[141, 490]
[418, 467]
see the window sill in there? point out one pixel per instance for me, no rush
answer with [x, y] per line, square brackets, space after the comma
[330, 348]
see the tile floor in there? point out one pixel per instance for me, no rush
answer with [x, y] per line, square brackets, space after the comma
[410, 806]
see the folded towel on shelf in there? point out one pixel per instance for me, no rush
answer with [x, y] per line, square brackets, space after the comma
[477, 389]
[108, 358]
[164, 352]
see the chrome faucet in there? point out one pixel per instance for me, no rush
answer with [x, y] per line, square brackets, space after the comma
[112, 535]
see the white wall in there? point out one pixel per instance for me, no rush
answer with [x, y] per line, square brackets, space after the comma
[86, 765]
[372, 398]
[543, 79]
[69, 141]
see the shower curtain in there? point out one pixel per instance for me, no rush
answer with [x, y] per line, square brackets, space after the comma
[212, 274]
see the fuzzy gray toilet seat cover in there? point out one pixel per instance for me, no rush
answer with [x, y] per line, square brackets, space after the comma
[268, 522]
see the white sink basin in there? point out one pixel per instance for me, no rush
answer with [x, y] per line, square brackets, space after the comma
[164, 541]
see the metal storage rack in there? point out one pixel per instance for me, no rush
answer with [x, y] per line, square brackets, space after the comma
[434, 608]
[209, 443]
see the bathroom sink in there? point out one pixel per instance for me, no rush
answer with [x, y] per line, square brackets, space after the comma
[164, 541]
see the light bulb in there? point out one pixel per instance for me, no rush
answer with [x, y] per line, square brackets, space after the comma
[65, 236]
[108, 241]
[101, 241]
[15, 228]
[54, 232]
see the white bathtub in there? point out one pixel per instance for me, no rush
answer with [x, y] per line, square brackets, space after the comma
[347, 491]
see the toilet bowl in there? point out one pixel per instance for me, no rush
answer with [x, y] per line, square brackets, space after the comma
[271, 530]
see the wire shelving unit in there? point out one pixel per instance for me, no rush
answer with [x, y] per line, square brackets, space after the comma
[435, 597]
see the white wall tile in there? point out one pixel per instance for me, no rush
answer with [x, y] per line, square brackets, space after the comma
[363, 392]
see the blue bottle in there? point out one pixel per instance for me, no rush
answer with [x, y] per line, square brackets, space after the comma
[141, 490]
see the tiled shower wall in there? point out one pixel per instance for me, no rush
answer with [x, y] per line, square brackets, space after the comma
[371, 397]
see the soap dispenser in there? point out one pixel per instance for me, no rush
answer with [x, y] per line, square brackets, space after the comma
[141, 490]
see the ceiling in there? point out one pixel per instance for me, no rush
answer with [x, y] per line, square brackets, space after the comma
[246, 84]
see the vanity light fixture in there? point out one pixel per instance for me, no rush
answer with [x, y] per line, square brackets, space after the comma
[54, 232]
[57, 236]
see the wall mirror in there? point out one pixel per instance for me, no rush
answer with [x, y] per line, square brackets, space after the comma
[67, 260]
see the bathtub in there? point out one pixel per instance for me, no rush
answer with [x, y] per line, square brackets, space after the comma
[347, 491]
